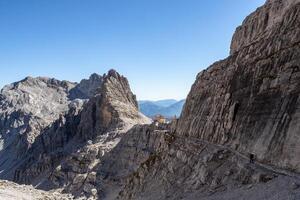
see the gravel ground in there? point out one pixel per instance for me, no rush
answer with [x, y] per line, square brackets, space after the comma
[12, 191]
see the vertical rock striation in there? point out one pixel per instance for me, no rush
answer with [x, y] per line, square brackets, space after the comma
[250, 101]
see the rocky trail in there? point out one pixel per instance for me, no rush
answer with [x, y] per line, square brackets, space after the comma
[192, 168]
[242, 157]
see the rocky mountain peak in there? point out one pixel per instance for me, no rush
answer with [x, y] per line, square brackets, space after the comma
[115, 106]
[113, 73]
[117, 86]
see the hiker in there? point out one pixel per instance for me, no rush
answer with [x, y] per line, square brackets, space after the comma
[251, 157]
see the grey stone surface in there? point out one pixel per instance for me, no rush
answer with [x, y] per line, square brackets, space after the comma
[250, 101]
[29, 106]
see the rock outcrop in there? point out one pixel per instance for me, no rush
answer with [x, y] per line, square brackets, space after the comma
[114, 107]
[29, 106]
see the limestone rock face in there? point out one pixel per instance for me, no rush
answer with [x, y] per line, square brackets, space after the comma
[250, 101]
[29, 106]
[114, 107]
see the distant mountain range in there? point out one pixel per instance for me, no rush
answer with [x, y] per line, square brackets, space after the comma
[167, 107]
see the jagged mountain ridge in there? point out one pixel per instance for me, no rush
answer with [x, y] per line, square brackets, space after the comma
[98, 122]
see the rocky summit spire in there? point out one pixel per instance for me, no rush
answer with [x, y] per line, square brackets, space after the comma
[115, 106]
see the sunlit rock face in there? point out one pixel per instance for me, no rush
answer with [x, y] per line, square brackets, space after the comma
[250, 100]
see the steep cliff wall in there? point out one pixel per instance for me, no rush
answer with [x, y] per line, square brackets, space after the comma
[250, 101]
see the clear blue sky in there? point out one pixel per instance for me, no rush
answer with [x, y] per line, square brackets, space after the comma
[159, 45]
